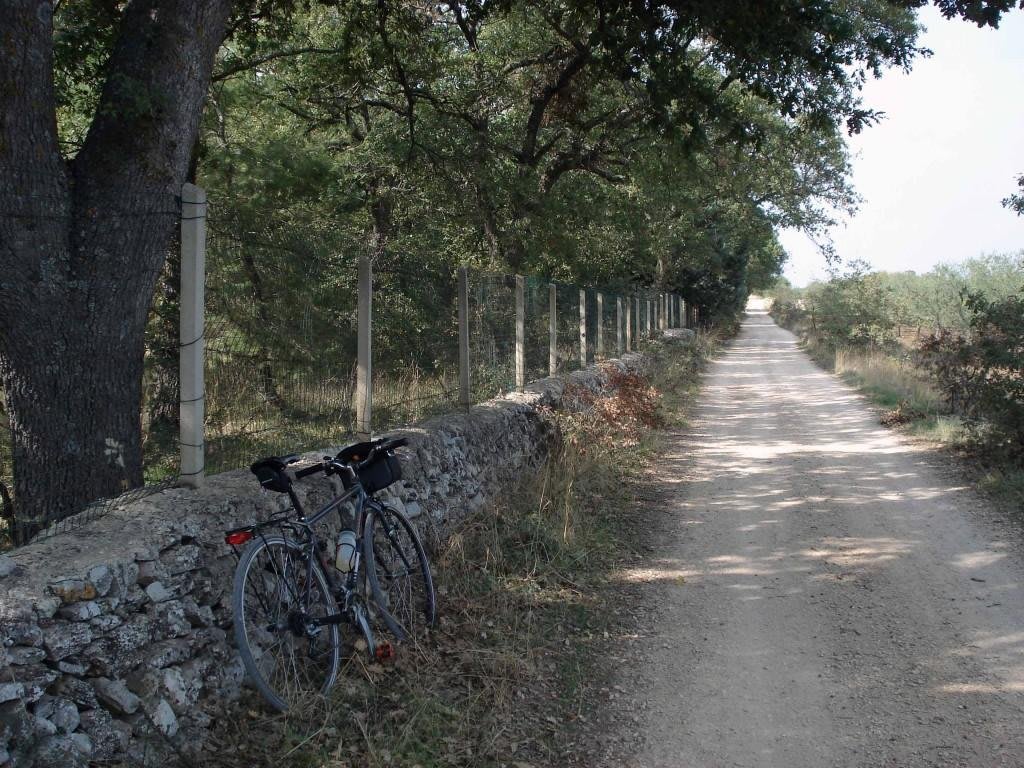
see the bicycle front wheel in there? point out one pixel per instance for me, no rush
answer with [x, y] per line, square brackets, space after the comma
[277, 598]
[398, 572]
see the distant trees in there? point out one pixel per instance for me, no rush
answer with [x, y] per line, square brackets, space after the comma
[863, 306]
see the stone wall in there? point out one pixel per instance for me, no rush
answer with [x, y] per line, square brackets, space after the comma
[117, 636]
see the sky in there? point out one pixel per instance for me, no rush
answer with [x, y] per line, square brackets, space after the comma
[933, 172]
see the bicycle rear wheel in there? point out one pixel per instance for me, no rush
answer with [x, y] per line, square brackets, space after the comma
[288, 658]
[398, 572]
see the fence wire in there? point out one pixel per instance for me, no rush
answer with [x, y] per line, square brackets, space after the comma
[280, 342]
[537, 305]
[281, 337]
[609, 329]
[568, 322]
[492, 334]
[415, 344]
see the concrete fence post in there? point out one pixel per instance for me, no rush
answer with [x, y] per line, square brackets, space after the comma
[520, 332]
[583, 328]
[191, 327]
[364, 352]
[552, 329]
[465, 386]
[629, 323]
[650, 319]
[600, 326]
[618, 326]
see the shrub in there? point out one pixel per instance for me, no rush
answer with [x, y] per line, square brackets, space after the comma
[788, 314]
[620, 416]
[981, 373]
[853, 309]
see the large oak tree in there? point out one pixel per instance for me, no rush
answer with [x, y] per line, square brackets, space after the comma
[82, 241]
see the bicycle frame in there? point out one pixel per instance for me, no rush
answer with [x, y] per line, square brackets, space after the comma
[302, 527]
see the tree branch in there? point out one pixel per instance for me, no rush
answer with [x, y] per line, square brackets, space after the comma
[243, 66]
[543, 100]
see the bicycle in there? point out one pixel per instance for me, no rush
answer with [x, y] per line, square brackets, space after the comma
[289, 600]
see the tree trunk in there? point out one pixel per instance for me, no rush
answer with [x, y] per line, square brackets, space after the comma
[162, 393]
[82, 243]
[75, 398]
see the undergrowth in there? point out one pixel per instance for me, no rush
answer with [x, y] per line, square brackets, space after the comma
[523, 605]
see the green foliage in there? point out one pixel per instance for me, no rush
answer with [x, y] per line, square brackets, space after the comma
[982, 373]
[615, 144]
[853, 309]
[1015, 202]
[550, 140]
[972, 353]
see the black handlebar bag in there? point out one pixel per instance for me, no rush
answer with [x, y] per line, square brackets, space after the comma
[384, 470]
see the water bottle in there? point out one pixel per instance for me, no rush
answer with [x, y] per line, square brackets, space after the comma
[345, 558]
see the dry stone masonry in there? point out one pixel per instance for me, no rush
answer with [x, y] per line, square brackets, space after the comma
[117, 636]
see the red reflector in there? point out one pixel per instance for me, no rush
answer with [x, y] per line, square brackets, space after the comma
[238, 537]
[385, 652]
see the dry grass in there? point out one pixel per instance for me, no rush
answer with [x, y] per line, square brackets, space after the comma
[890, 381]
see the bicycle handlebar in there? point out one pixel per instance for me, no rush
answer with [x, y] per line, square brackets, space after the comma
[318, 467]
[329, 463]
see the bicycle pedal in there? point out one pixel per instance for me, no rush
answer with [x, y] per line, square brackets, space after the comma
[384, 652]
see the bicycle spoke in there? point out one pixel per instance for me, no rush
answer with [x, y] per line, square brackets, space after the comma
[291, 659]
[402, 590]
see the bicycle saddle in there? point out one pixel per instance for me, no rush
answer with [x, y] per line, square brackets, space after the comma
[270, 472]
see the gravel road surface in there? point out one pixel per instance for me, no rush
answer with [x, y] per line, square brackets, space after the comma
[830, 596]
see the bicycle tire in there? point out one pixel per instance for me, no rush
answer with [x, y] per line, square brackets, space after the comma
[403, 593]
[265, 563]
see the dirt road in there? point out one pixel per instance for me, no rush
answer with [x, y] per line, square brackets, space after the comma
[831, 596]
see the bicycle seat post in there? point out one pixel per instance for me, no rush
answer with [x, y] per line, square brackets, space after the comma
[295, 502]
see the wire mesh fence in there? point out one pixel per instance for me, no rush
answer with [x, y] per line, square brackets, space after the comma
[492, 334]
[415, 344]
[282, 339]
[280, 342]
[537, 314]
[568, 328]
[608, 337]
